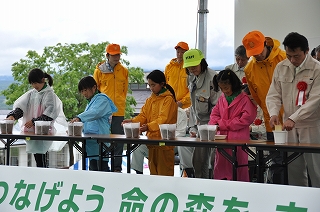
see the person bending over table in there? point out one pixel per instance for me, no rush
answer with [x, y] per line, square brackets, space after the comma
[296, 85]
[96, 119]
[160, 108]
[141, 152]
[38, 104]
[234, 113]
[203, 99]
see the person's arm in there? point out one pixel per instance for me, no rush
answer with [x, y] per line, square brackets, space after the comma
[42, 118]
[20, 105]
[192, 123]
[215, 115]
[16, 114]
[126, 87]
[251, 88]
[96, 75]
[51, 109]
[274, 96]
[182, 120]
[186, 99]
[166, 72]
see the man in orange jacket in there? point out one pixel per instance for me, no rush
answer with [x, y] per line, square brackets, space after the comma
[112, 79]
[266, 54]
[176, 76]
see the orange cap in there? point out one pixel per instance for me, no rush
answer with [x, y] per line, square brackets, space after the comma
[254, 43]
[113, 49]
[182, 45]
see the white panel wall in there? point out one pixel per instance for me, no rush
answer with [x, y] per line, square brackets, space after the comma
[23, 155]
[277, 18]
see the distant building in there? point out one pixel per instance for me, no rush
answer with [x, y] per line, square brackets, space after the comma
[140, 92]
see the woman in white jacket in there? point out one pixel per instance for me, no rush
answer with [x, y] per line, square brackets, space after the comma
[38, 104]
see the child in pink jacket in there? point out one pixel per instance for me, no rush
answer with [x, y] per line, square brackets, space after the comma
[233, 114]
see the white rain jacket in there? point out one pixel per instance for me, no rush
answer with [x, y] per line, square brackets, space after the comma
[35, 103]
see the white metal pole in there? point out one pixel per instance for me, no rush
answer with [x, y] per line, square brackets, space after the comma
[202, 38]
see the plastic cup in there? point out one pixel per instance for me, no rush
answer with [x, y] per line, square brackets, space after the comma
[131, 130]
[168, 131]
[135, 129]
[171, 133]
[42, 127]
[207, 132]
[212, 129]
[280, 137]
[6, 126]
[75, 128]
[203, 132]
[127, 130]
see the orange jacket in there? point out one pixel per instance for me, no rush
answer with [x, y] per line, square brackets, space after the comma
[259, 77]
[113, 84]
[176, 77]
[158, 109]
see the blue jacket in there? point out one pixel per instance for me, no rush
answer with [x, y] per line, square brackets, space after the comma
[96, 116]
[96, 119]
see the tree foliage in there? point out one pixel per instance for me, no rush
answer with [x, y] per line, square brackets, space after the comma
[67, 64]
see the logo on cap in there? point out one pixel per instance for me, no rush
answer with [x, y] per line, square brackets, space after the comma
[251, 44]
[189, 57]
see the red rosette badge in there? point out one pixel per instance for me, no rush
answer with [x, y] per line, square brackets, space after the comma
[257, 122]
[301, 97]
[244, 80]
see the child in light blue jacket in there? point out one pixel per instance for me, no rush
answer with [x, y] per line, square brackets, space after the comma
[96, 119]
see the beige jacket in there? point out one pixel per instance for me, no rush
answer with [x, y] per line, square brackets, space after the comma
[283, 89]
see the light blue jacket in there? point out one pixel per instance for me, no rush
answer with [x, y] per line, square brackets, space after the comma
[96, 119]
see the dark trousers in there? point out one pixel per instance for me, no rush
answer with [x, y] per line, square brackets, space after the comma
[116, 128]
[94, 165]
[278, 174]
[41, 160]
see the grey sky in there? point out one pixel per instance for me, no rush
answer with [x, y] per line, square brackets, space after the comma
[149, 28]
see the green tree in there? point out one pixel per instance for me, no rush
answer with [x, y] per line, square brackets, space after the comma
[67, 64]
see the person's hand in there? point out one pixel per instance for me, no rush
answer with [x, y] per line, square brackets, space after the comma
[28, 124]
[288, 125]
[179, 104]
[193, 132]
[126, 121]
[274, 120]
[143, 128]
[10, 118]
[75, 120]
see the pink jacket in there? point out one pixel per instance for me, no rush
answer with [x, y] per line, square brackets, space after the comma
[234, 119]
